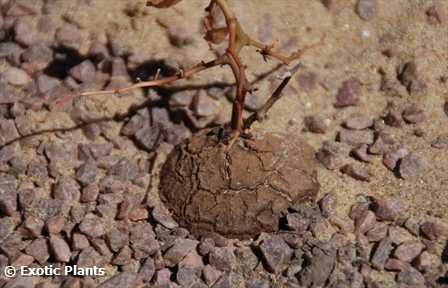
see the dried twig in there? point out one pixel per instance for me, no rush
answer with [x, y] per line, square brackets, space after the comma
[237, 39]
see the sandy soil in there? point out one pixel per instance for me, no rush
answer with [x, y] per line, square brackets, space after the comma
[352, 47]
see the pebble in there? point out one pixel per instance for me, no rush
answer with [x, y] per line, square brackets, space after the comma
[162, 278]
[38, 249]
[16, 76]
[413, 114]
[296, 222]
[84, 72]
[67, 190]
[92, 226]
[355, 137]
[434, 229]
[411, 277]
[391, 158]
[367, 9]
[89, 193]
[365, 222]
[20, 8]
[147, 270]
[399, 235]
[328, 204]
[46, 83]
[24, 33]
[231, 279]
[436, 15]
[186, 277]
[178, 251]
[381, 253]
[408, 75]
[59, 248]
[361, 154]
[38, 56]
[203, 105]
[320, 263]
[333, 155]
[378, 232]
[181, 99]
[412, 165]
[440, 142]
[149, 136]
[396, 265]
[359, 122]
[211, 275]
[345, 225]
[34, 225]
[349, 93]
[322, 230]
[117, 239]
[123, 257]
[162, 216]
[79, 242]
[386, 209]
[358, 172]
[206, 246]
[425, 261]
[86, 173]
[143, 240]
[22, 260]
[223, 258]
[276, 253]
[408, 250]
[394, 118]
[317, 123]
[100, 245]
[69, 36]
[179, 36]
[381, 144]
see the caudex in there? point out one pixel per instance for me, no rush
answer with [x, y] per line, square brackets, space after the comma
[237, 39]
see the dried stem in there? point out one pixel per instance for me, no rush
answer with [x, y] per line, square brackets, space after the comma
[237, 39]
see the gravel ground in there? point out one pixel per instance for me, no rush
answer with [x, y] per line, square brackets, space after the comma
[79, 180]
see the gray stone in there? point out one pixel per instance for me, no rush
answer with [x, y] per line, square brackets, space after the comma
[222, 258]
[276, 253]
[349, 93]
[367, 9]
[162, 216]
[412, 165]
[92, 226]
[84, 72]
[381, 253]
[211, 275]
[39, 250]
[147, 270]
[355, 137]
[320, 263]
[408, 250]
[86, 173]
[16, 76]
[411, 277]
[178, 251]
[69, 36]
[59, 248]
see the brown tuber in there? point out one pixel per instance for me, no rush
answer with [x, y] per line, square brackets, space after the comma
[240, 192]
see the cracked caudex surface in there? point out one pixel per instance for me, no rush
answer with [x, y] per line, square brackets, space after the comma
[238, 193]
